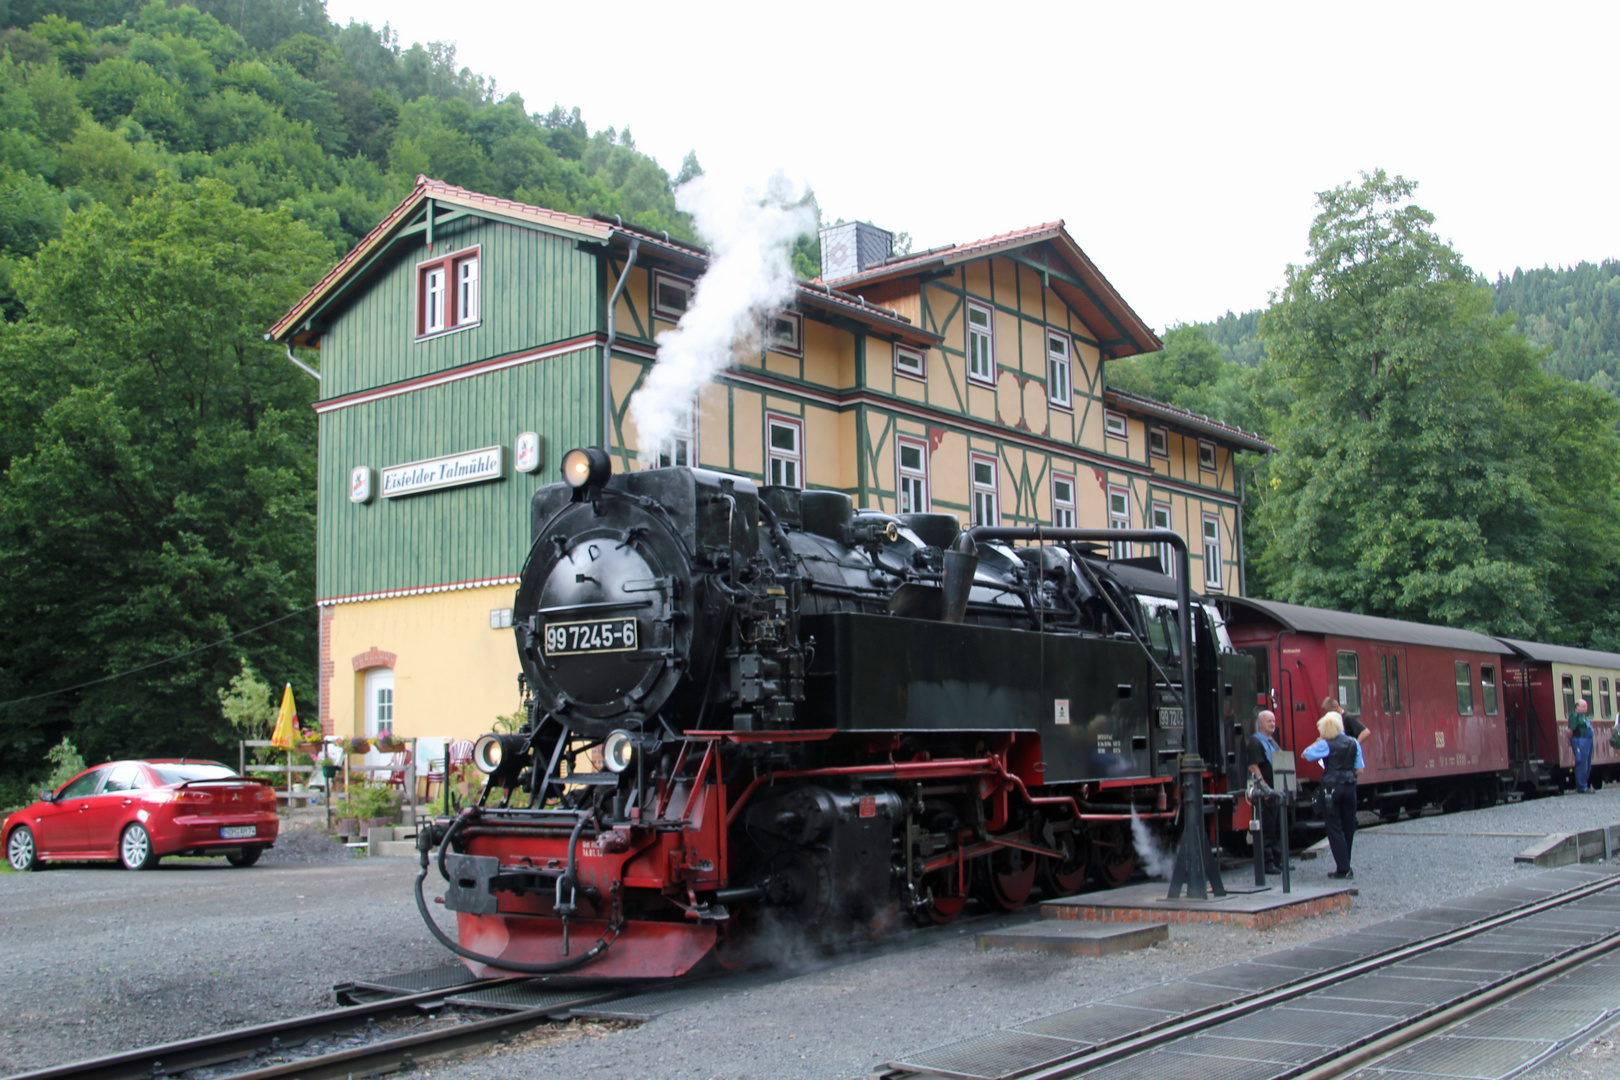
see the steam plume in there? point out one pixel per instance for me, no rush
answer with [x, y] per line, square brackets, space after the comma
[1156, 862]
[749, 235]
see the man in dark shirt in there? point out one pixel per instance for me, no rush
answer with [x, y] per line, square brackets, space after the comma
[1353, 726]
[1257, 751]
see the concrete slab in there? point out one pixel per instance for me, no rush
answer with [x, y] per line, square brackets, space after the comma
[1563, 849]
[1075, 938]
[1249, 909]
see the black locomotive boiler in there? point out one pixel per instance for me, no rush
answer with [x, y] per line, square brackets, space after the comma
[747, 701]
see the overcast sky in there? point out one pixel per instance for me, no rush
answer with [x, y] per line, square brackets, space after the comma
[1182, 143]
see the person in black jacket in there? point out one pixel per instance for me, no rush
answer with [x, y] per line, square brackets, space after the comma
[1353, 726]
[1342, 763]
[1257, 751]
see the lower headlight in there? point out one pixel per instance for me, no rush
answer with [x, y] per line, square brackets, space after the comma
[487, 753]
[618, 751]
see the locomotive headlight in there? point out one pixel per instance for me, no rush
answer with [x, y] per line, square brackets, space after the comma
[500, 756]
[487, 753]
[618, 751]
[587, 466]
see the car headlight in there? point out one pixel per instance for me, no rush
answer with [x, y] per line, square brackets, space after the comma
[618, 751]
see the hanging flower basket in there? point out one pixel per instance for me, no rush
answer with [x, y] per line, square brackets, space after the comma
[310, 747]
[358, 744]
[329, 769]
[390, 744]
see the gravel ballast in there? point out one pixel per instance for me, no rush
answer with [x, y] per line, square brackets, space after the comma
[101, 959]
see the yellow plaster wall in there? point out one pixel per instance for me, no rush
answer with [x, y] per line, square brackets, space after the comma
[453, 675]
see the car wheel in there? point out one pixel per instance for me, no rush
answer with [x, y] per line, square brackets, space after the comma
[21, 851]
[135, 849]
[246, 857]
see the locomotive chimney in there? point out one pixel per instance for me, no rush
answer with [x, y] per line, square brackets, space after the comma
[961, 563]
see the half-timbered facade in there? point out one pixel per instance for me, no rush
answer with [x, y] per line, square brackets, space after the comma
[462, 350]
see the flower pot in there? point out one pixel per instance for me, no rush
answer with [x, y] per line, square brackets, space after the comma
[390, 746]
[310, 748]
[329, 769]
[358, 744]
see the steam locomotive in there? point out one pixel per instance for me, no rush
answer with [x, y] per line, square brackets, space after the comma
[758, 703]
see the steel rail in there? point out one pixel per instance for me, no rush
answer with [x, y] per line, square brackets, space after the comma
[1194, 1022]
[207, 1050]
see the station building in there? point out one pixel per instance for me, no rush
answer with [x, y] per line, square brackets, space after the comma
[463, 345]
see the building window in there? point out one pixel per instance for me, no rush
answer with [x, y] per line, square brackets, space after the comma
[1487, 688]
[1569, 696]
[986, 497]
[1058, 386]
[785, 331]
[911, 458]
[500, 618]
[1062, 501]
[1206, 455]
[1349, 682]
[784, 441]
[910, 362]
[1119, 517]
[1167, 554]
[1465, 689]
[1114, 425]
[981, 345]
[671, 296]
[1158, 442]
[680, 448]
[1212, 551]
[447, 293]
[1603, 696]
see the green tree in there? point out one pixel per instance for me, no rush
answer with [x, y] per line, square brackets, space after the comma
[1427, 468]
[156, 472]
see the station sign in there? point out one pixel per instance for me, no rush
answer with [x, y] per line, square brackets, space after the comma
[471, 467]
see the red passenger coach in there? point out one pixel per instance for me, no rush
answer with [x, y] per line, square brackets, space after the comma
[1432, 697]
[1543, 683]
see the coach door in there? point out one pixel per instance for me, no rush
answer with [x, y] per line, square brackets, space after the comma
[1392, 705]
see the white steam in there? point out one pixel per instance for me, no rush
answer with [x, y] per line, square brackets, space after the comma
[750, 236]
[1156, 861]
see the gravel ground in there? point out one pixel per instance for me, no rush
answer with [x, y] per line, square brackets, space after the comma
[103, 960]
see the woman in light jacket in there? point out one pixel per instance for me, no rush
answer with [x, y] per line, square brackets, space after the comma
[1342, 762]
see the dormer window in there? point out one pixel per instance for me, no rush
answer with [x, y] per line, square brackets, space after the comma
[671, 296]
[784, 331]
[448, 295]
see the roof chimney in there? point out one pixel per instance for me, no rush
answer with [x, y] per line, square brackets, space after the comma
[851, 247]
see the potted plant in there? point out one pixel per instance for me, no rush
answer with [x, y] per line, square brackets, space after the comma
[389, 743]
[308, 742]
[358, 744]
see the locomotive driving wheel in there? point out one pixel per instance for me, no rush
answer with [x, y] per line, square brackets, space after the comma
[1067, 876]
[1113, 857]
[948, 898]
[1010, 878]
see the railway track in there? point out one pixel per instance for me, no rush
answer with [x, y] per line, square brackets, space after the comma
[1357, 1013]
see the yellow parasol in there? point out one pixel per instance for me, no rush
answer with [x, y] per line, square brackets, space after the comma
[286, 722]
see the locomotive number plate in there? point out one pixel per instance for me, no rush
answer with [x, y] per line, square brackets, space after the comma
[1169, 718]
[598, 635]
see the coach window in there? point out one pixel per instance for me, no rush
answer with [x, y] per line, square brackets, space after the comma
[986, 491]
[785, 445]
[1465, 689]
[1586, 691]
[1569, 696]
[1395, 684]
[1603, 696]
[1487, 688]
[1349, 682]
[912, 459]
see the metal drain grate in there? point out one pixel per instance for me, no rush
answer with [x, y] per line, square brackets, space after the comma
[1176, 997]
[1248, 975]
[1457, 1055]
[1164, 1065]
[522, 996]
[647, 1006]
[989, 1057]
[1477, 960]
[1095, 1023]
[441, 977]
[1396, 988]
[1287, 1053]
[1333, 1001]
[1562, 995]
[1310, 958]
[1310, 1026]
[1555, 1024]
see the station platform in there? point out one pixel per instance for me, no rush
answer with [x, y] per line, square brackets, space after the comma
[1244, 904]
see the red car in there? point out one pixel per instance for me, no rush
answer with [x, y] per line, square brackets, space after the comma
[139, 811]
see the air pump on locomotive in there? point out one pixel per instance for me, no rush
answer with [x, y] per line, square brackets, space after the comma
[750, 703]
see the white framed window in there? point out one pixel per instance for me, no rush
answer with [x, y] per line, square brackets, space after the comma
[984, 470]
[1114, 425]
[680, 449]
[981, 343]
[1487, 690]
[911, 462]
[912, 363]
[1119, 517]
[1160, 515]
[671, 296]
[1206, 455]
[448, 295]
[785, 332]
[1158, 442]
[1059, 389]
[1212, 550]
[784, 450]
[1063, 515]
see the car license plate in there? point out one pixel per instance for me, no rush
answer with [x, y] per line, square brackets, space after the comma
[598, 635]
[238, 832]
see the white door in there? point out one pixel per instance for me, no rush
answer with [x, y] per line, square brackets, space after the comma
[379, 713]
